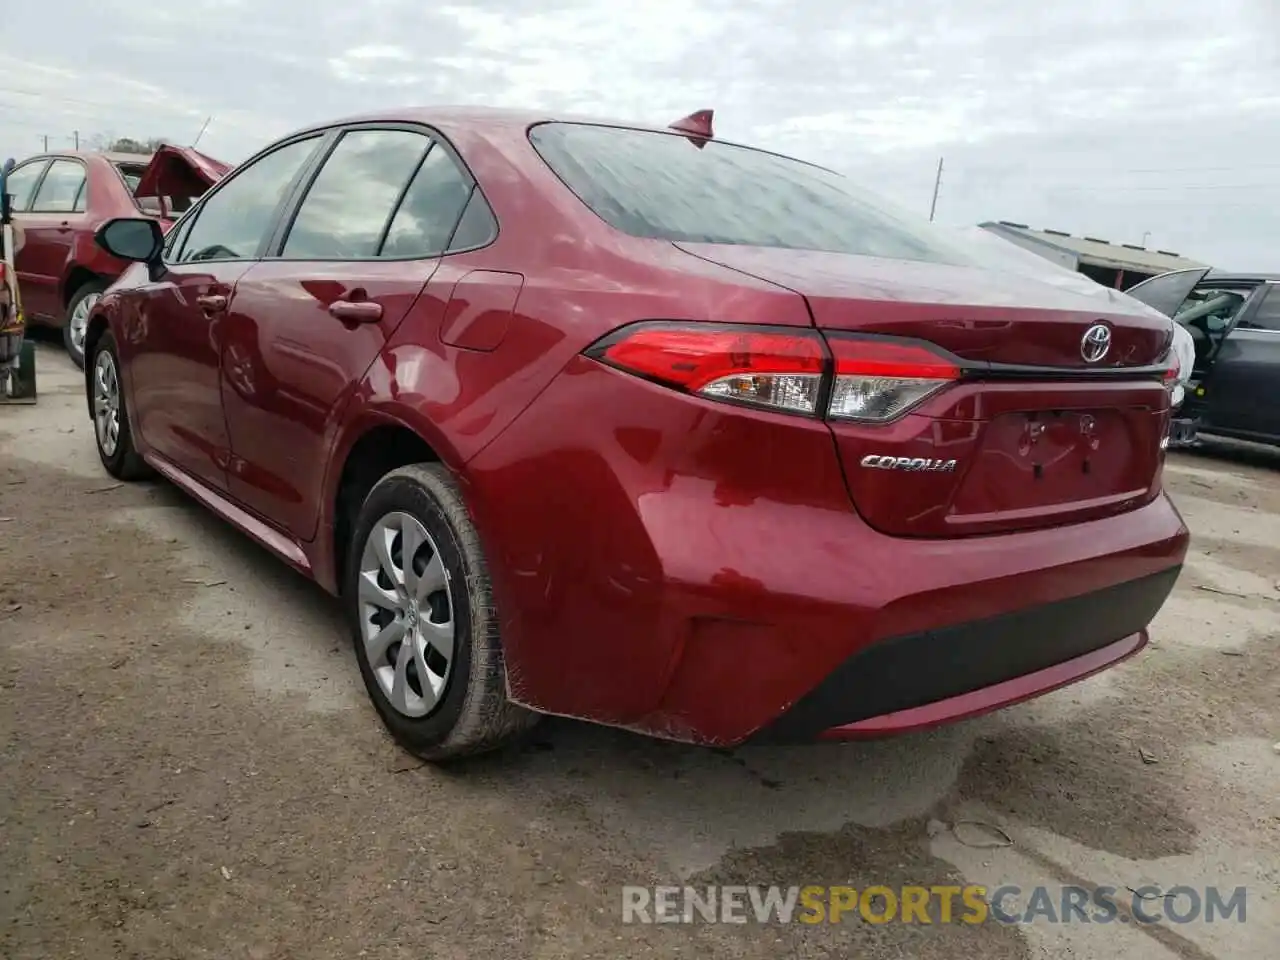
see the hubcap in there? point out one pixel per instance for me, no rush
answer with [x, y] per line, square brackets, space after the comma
[106, 403]
[80, 319]
[406, 614]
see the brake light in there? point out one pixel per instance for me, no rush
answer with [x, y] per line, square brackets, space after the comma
[877, 380]
[764, 368]
[867, 379]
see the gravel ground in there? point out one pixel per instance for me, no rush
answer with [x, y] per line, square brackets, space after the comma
[189, 767]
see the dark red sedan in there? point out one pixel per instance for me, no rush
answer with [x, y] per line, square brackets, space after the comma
[60, 200]
[644, 428]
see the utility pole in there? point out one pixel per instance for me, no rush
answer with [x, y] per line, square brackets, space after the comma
[75, 135]
[202, 130]
[937, 182]
[45, 138]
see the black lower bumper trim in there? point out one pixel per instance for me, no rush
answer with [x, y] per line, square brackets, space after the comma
[918, 669]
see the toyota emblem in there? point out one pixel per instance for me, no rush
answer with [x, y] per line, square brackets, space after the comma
[1095, 343]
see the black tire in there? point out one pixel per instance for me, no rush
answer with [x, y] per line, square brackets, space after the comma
[76, 351]
[124, 462]
[472, 714]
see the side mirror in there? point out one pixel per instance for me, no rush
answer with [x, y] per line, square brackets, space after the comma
[131, 238]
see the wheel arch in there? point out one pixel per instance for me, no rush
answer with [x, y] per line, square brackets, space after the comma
[77, 276]
[96, 327]
[374, 443]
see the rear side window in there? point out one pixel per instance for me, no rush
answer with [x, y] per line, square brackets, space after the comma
[233, 221]
[61, 188]
[345, 212]
[21, 183]
[431, 208]
[132, 174]
[477, 226]
[663, 186]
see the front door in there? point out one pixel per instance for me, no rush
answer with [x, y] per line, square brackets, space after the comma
[173, 350]
[21, 186]
[174, 343]
[367, 237]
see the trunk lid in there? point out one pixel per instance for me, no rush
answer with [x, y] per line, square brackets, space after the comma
[986, 313]
[174, 178]
[1032, 434]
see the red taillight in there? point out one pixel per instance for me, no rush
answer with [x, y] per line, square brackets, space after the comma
[781, 370]
[864, 378]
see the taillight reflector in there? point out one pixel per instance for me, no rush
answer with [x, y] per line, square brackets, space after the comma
[877, 380]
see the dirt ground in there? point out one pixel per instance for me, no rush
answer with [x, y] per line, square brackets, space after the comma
[189, 766]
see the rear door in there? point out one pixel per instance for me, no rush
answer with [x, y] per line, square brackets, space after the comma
[21, 186]
[1243, 395]
[366, 237]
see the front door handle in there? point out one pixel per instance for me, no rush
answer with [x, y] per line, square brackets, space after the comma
[356, 311]
[212, 302]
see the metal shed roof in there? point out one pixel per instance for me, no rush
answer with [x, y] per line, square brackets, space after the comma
[1099, 253]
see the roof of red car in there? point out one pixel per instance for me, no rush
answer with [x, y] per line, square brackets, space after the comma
[482, 116]
[142, 158]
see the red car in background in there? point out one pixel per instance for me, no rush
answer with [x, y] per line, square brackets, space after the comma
[60, 200]
[641, 427]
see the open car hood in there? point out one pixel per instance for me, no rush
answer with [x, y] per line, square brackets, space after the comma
[179, 172]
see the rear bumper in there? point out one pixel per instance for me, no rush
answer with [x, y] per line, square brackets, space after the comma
[697, 572]
[938, 676]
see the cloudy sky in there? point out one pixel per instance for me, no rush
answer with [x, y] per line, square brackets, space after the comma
[1121, 119]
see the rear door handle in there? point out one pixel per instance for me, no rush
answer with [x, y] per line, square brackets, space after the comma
[212, 302]
[356, 311]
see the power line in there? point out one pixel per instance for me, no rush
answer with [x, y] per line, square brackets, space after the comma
[50, 96]
[77, 101]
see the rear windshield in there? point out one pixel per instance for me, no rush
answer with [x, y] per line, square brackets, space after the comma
[663, 186]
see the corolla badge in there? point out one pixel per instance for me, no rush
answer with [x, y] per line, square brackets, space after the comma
[881, 462]
[1095, 343]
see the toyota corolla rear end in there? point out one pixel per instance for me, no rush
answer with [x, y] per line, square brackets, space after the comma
[928, 489]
